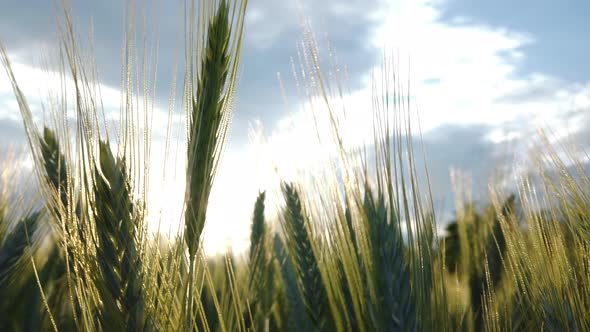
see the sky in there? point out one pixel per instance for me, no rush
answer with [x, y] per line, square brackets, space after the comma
[485, 75]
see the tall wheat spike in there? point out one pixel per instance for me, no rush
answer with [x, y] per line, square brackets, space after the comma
[54, 165]
[207, 127]
[208, 118]
[261, 283]
[391, 272]
[54, 172]
[258, 232]
[298, 319]
[257, 257]
[304, 259]
[117, 250]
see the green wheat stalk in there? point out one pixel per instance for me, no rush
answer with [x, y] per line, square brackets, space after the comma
[117, 249]
[206, 125]
[55, 166]
[299, 242]
[391, 271]
[297, 319]
[257, 260]
[208, 120]
[258, 232]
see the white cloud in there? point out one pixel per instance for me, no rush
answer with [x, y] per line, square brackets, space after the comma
[475, 69]
[37, 84]
[461, 75]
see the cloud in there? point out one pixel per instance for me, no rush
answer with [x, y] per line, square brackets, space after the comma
[558, 27]
[478, 111]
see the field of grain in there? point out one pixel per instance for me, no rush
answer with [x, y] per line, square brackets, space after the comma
[353, 245]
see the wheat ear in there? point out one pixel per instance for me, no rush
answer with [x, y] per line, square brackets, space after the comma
[206, 125]
[391, 271]
[303, 256]
[208, 118]
[298, 320]
[117, 250]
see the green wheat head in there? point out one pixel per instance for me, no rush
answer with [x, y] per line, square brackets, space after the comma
[118, 252]
[258, 232]
[305, 261]
[207, 124]
[208, 112]
[54, 165]
[395, 308]
[297, 317]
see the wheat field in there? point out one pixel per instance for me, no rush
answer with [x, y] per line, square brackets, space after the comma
[355, 245]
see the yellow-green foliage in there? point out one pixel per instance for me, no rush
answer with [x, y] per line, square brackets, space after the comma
[356, 250]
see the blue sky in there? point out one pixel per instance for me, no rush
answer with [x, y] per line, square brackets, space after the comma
[485, 75]
[558, 28]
